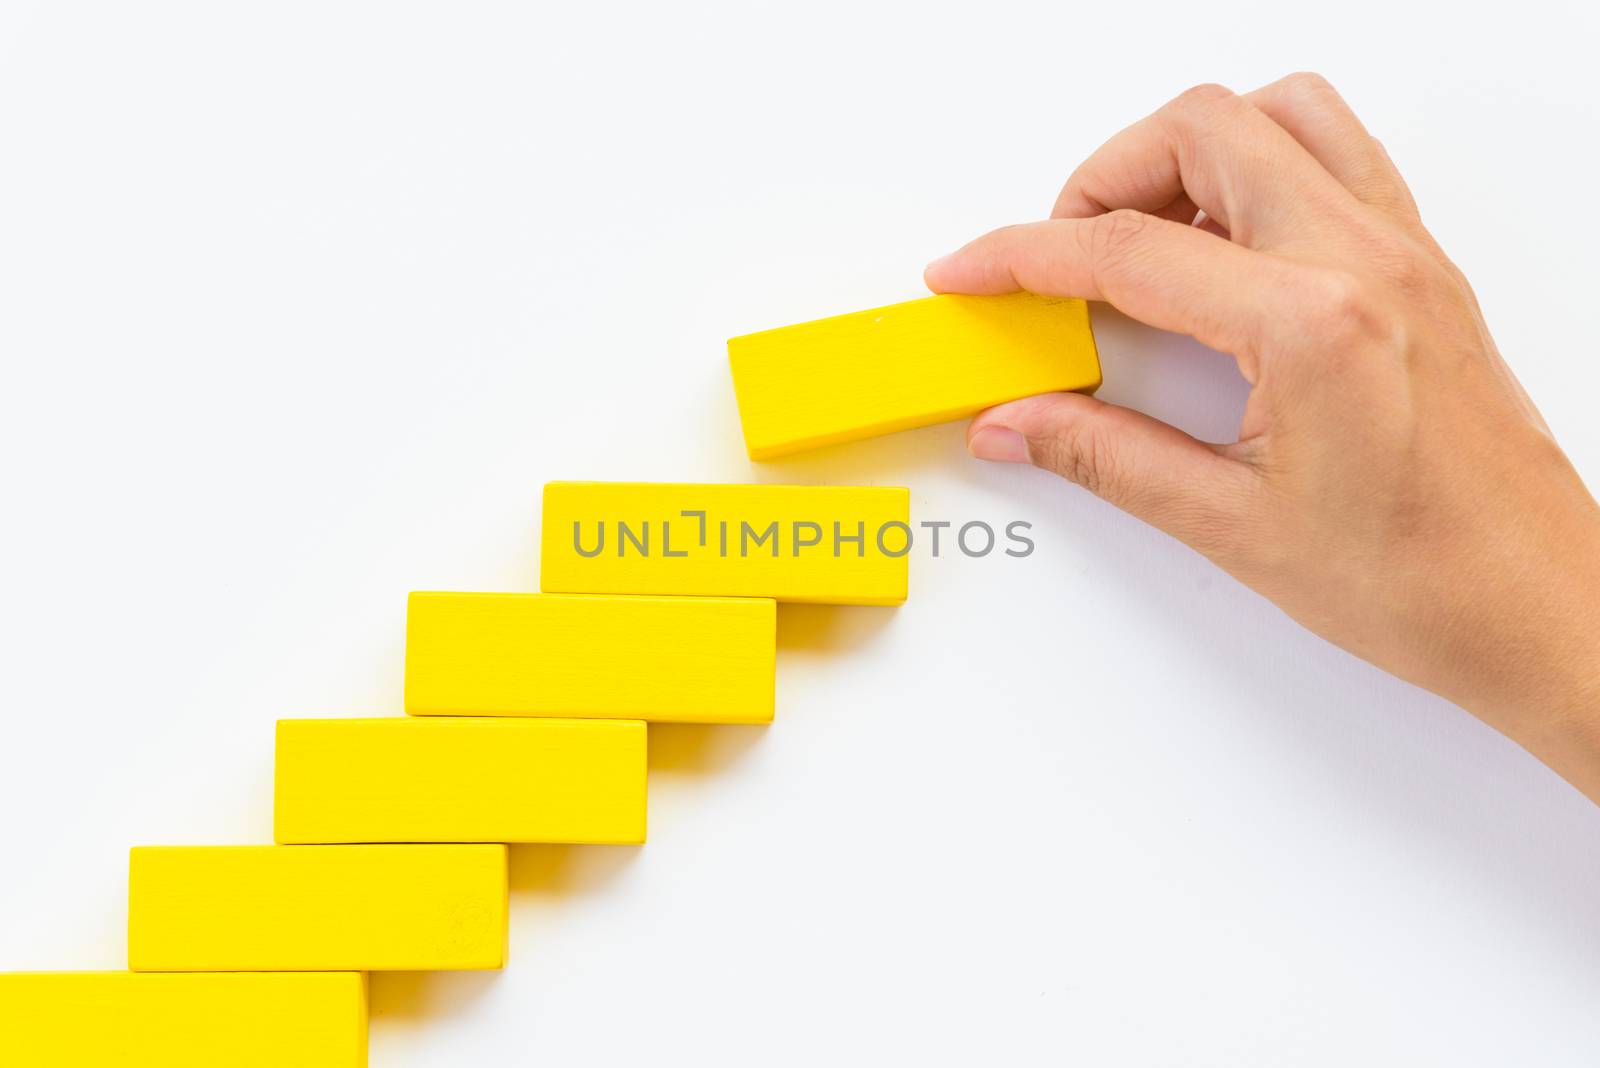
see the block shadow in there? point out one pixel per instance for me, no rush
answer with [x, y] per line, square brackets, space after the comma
[406, 999]
[892, 460]
[700, 748]
[830, 628]
[546, 871]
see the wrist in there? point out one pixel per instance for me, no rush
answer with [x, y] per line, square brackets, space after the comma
[1565, 731]
[1541, 687]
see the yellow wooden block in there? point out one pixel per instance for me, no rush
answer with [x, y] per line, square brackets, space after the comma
[820, 544]
[240, 1020]
[906, 365]
[317, 908]
[664, 659]
[460, 780]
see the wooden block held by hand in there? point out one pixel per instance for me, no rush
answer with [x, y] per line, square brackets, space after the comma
[128, 1020]
[405, 779]
[319, 908]
[905, 365]
[661, 659]
[816, 544]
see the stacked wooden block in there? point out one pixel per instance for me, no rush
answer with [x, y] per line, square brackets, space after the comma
[528, 714]
[528, 718]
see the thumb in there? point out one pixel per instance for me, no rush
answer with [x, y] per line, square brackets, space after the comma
[1147, 468]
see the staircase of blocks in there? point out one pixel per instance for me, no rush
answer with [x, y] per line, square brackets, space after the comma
[528, 714]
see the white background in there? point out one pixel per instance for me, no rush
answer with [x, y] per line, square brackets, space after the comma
[301, 303]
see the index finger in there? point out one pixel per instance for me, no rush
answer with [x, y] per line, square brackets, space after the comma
[1163, 273]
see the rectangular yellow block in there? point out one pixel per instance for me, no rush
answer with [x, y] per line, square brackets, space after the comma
[662, 659]
[905, 365]
[317, 908]
[127, 1020]
[816, 544]
[460, 780]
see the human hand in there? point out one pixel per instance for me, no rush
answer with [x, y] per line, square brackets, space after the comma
[1392, 487]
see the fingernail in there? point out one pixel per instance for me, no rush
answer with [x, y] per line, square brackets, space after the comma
[999, 443]
[934, 265]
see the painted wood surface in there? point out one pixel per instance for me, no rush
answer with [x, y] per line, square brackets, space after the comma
[665, 659]
[409, 779]
[905, 365]
[317, 908]
[814, 544]
[194, 1020]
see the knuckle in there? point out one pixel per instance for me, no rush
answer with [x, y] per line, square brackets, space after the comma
[1197, 112]
[1006, 242]
[1114, 237]
[1307, 83]
[1088, 459]
[1336, 298]
[1406, 267]
[1396, 258]
[1203, 96]
[1084, 454]
[1346, 312]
